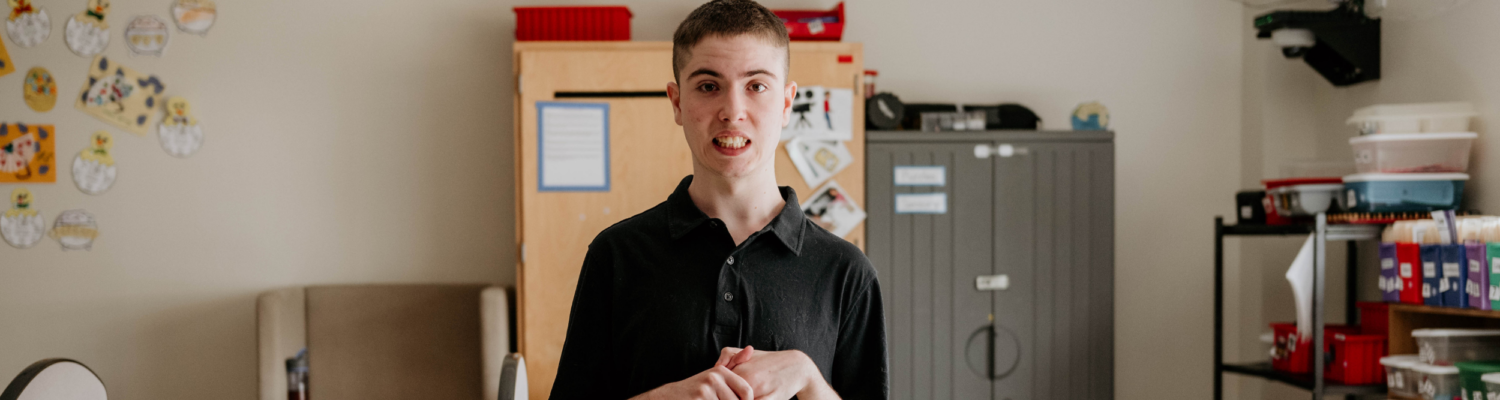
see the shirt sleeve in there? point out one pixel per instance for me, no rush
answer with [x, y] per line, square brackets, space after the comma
[860, 364]
[581, 371]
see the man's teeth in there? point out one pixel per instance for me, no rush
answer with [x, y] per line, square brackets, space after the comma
[731, 142]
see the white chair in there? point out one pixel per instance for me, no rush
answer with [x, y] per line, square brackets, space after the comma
[55, 379]
[513, 378]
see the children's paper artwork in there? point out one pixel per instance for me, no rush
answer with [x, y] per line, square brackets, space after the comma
[147, 35]
[121, 96]
[818, 160]
[6, 66]
[180, 133]
[28, 25]
[87, 33]
[27, 153]
[832, 209]
[94, 168]
[39, 90]
[194, 16]
[820, 113]
[22, 226]
[75, 230]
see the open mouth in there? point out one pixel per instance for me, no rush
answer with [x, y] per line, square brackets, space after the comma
[732, 142]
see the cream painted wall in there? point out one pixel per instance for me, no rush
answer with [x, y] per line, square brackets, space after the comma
[369, 142]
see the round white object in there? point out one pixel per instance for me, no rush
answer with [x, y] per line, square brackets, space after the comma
[29, 29]
[92, 177]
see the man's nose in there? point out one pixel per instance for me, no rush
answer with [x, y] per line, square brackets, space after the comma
[733, 108]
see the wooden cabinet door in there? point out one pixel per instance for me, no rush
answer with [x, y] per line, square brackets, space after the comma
[648, 157]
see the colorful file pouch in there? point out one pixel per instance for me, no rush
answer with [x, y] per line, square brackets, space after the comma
[1390, 277]
[1432, 278]
[1493, 251]
[1455, 276]
[1478, 286]
[1409, 266]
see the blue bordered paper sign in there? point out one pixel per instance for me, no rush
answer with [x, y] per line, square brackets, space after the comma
[572, 147]
[922, 203]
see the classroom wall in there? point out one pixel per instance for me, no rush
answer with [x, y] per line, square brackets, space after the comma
[354, 142]
[1292, 115]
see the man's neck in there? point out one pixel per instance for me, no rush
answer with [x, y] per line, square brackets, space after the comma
[745, 204]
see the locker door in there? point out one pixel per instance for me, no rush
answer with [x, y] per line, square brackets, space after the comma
[937, 322]
[1054, 224]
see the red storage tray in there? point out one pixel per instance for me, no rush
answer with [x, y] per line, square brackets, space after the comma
[1291, 353]
[814, 25]
[573, 23]
[1355, 359]
[1272, 218]
[1374, 318]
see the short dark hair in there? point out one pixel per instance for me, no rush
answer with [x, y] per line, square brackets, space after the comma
[726, 18]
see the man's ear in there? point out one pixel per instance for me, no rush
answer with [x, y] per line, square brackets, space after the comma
[676, 98]
[786, 109]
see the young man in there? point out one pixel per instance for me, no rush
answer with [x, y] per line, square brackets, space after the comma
[726, 290]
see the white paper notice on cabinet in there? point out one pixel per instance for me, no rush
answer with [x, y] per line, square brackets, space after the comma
[922, 203]
[921, 175]
[572, 146]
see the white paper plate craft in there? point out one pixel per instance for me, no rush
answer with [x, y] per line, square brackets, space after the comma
[147, 35]
[21, 225]
[87, 33]
[194, 16]
[28, 25]
[75, 230]
[180, 132]
[94, 168]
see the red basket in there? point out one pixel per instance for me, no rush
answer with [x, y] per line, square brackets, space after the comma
[814, 25]
[1373, 318]
[1291, 353]
[1355, 359]
[573, 23]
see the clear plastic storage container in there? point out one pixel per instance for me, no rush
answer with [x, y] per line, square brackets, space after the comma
[1447, 346]
[1400, 153]
[1491, 382]
[1376, 193]
[1438, 382]
[1305, 200]
[1398, 376]
[1413, 118]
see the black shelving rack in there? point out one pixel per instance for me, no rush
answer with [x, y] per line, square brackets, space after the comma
[1312, 382]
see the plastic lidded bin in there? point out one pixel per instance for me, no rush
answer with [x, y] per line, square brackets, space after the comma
[813, 25]
[1412, 152]
[1305, 200]
[1469, 377]
[1355, 359]
[573, 23]
[1491, 382]
[1290, 351]
[1398, 374]
[1413, 118]
[1374, 317]
[1437, 381]
[1403, 192]
[1447, 346]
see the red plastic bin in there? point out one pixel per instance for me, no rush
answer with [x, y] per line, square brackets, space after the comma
[1355, 359]
[1272, 218]
[1291, 353]
[573, 23]
[807, 25]
[1374, 318]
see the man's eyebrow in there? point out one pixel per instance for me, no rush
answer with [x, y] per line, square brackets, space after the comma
[704, 71]
[758, 72]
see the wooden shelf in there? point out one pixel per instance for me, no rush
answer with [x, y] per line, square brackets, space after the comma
[1407, 317]
[1467, 312]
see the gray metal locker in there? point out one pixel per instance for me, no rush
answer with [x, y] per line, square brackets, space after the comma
[1039, 212]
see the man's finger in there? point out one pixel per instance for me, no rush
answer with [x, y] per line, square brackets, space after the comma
[740, 357]
[737, 383]
[725, 355]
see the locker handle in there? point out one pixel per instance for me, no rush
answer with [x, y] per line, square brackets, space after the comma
[1005, 150]
[994, 335]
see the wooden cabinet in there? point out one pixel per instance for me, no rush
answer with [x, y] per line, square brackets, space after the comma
[648, 157]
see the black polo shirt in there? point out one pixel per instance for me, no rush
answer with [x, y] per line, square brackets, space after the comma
[662, 292]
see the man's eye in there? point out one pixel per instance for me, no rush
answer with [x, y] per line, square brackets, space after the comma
[758, 87]
[708, 87]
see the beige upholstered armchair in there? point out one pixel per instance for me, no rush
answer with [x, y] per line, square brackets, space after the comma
[386, 341]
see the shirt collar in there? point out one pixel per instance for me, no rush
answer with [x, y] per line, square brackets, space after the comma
[683, 216]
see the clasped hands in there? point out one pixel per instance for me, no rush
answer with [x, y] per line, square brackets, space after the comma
[747, 374]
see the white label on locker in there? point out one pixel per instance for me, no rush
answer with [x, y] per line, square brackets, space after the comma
[1406, 270]
[1387, 263]
[1429, 270]
[921, 203]
[1451, 269]
[1474, 266]
[923, 175]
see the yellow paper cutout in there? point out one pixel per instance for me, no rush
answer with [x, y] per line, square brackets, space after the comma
[20, 200]
[194, 16]
[75, 230]
[39, 90]
[87, 33]
[98, 150]
[121, 96]
[27, 153]
[22, 226]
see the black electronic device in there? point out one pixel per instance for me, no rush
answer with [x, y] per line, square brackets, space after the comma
[1342, 44]
[884, 112]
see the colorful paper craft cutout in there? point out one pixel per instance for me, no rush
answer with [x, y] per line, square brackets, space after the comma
[180, 133]
[39, 90]
[28, 25]
[87, 33]
[75, 230]
[22, 226]
[27, 153]
[147, 35]
[94, 168]
[831, 208]
[121, 96]
[194, 16]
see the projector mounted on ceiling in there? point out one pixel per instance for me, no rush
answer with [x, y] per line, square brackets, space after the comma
[1341, 44]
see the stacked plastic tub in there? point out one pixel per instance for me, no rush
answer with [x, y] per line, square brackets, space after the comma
[1409, 157]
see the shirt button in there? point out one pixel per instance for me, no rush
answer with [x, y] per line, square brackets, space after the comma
[731, 260]
[728, 296]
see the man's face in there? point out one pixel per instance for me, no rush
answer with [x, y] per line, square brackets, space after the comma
[732, 100]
